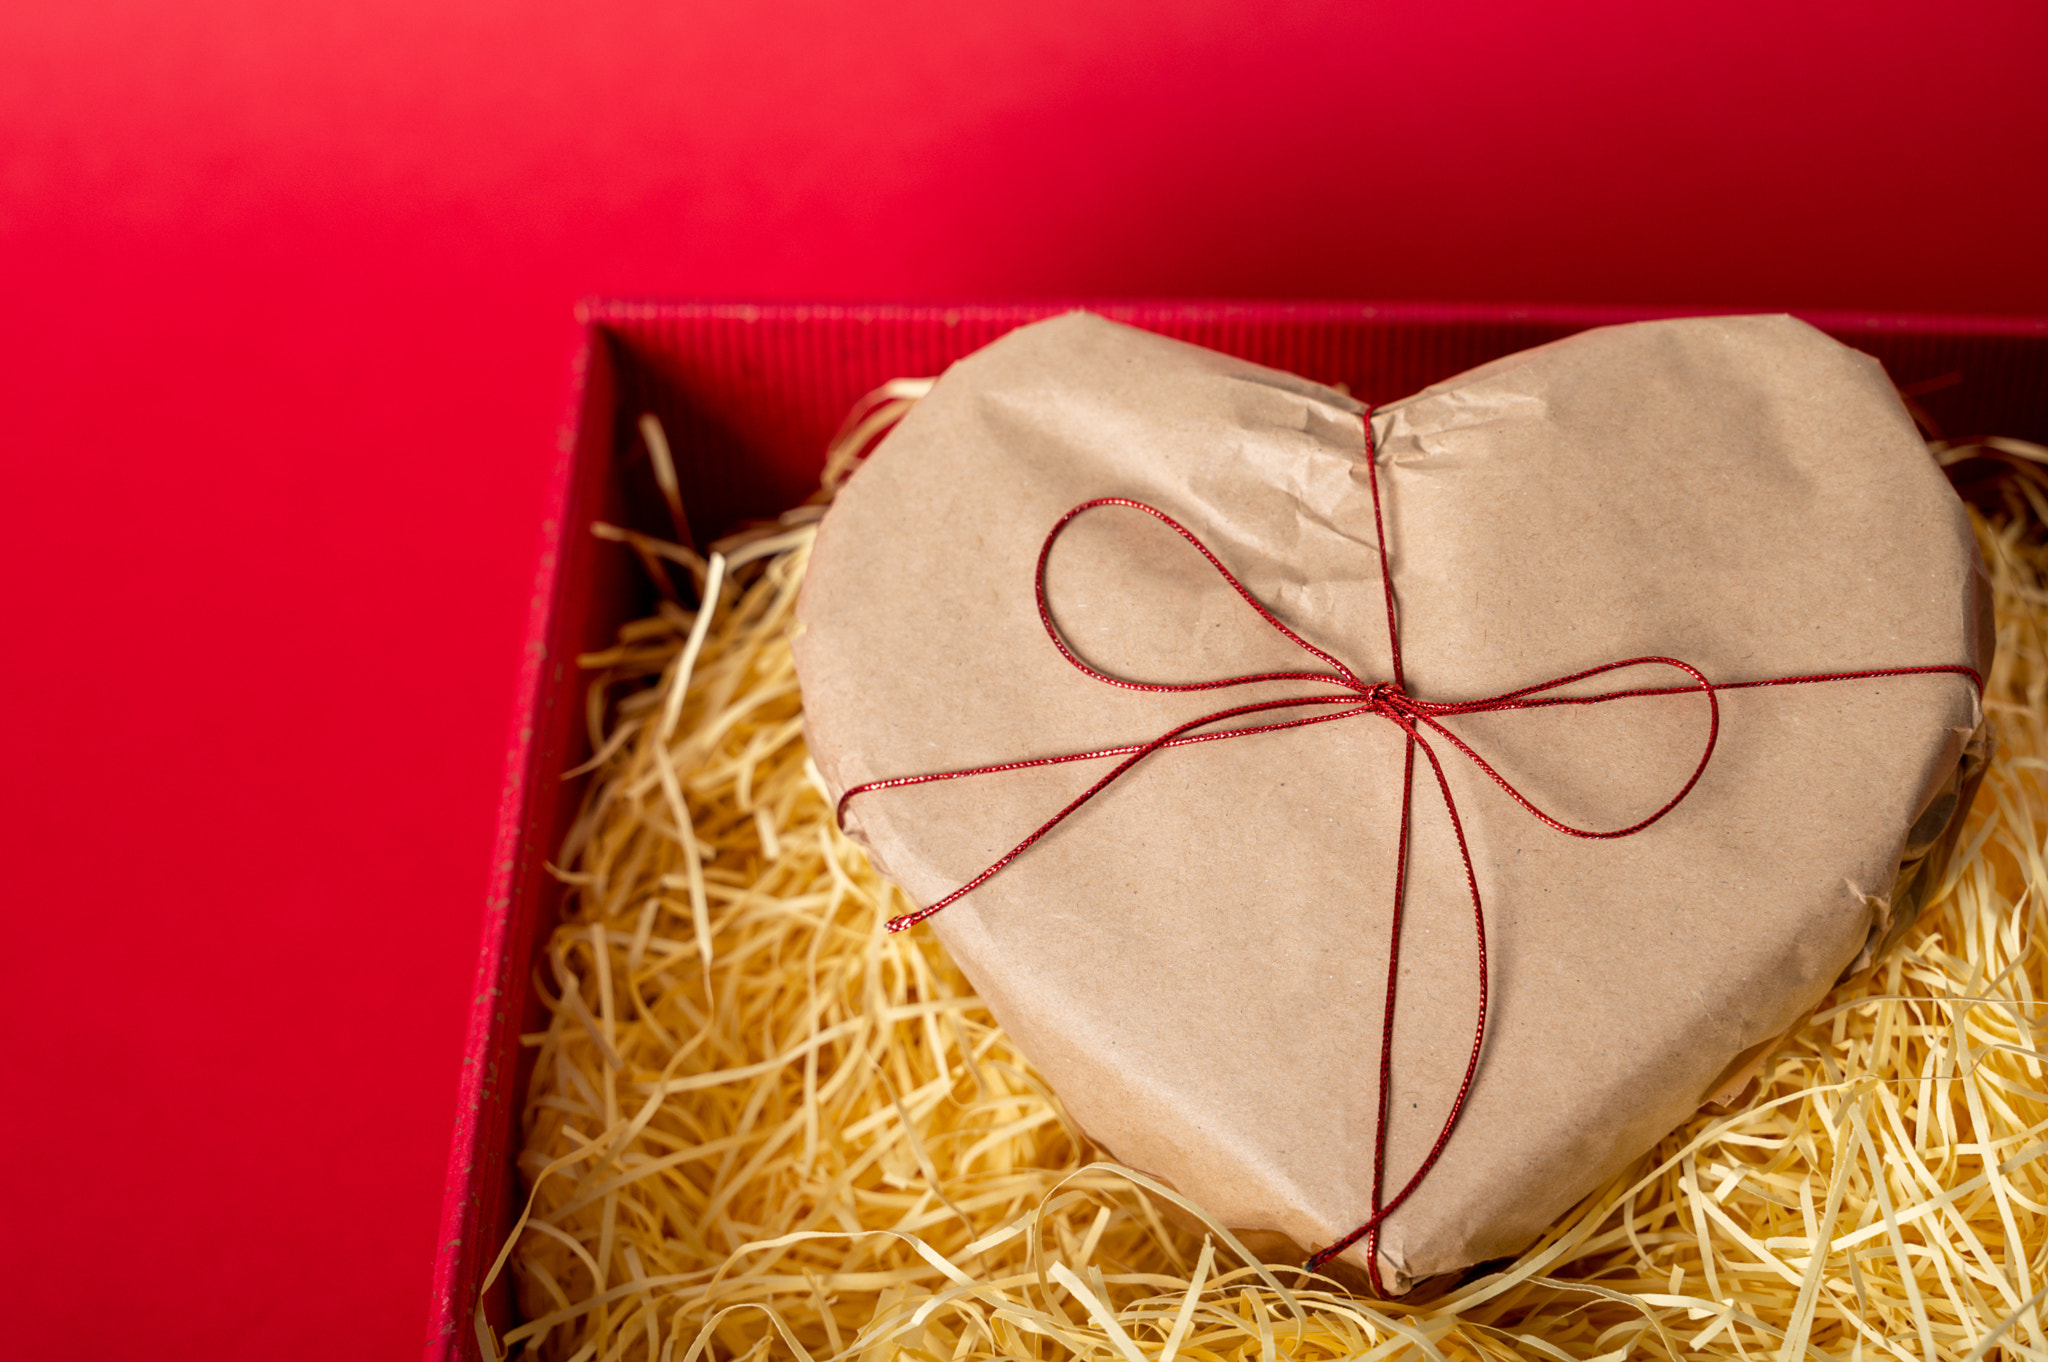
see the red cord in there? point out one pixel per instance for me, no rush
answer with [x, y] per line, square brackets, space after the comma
[1351, 697]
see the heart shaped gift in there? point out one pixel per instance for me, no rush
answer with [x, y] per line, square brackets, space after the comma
[1409, 611]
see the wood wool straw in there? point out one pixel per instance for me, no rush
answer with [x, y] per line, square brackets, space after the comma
[760, 1125]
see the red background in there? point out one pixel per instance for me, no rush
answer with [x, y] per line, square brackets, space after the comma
[285, 323]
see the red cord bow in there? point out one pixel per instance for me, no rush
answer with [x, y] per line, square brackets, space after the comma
[1352, 697]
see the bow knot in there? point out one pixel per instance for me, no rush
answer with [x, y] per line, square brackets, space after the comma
[1387, 699]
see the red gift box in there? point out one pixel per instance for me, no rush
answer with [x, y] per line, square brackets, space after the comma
[749, 397]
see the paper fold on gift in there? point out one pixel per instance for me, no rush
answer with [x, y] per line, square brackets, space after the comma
[1197, 960]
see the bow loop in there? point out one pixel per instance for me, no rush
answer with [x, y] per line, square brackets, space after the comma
[1338, 674]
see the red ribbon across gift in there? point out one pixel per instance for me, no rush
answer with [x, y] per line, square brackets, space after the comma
[1350, 697]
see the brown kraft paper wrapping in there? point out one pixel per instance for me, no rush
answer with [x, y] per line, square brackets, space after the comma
[1197, 959]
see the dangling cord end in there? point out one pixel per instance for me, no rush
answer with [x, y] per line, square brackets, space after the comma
[1317, 1261]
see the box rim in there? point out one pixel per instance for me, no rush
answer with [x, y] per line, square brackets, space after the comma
[601, 309]
[456, 1213]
